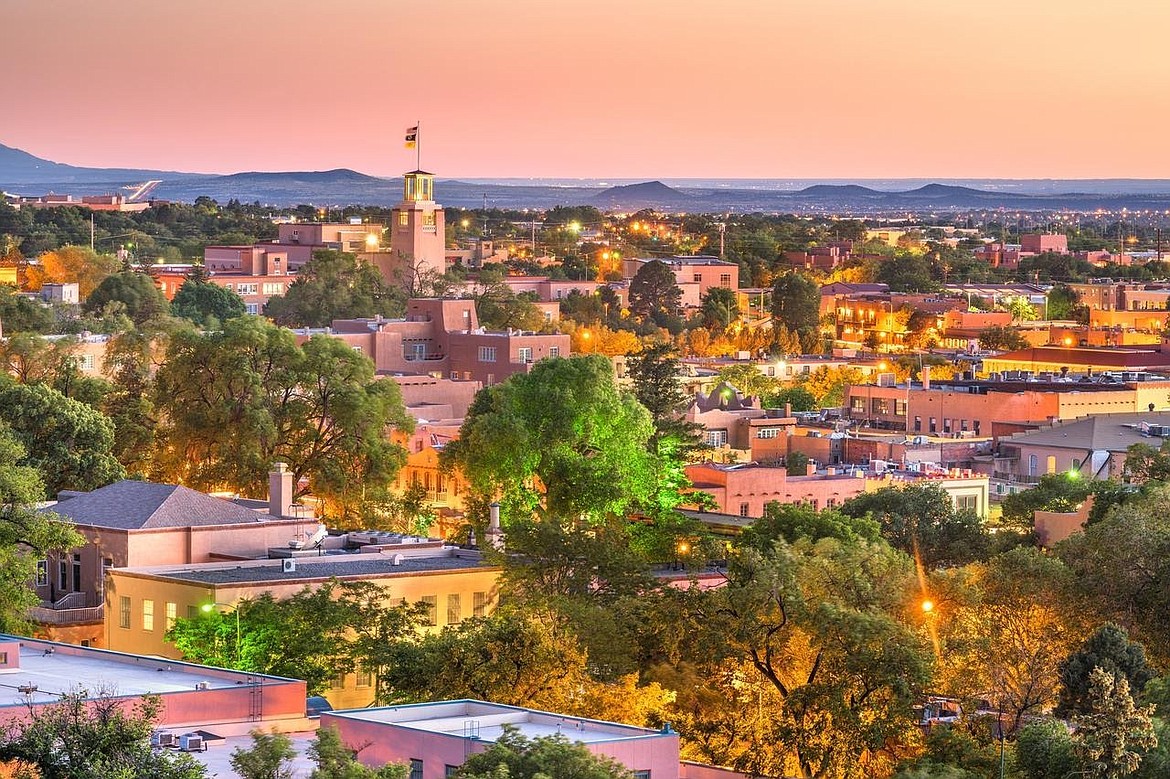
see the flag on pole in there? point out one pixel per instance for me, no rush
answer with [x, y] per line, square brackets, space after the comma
[411, 137]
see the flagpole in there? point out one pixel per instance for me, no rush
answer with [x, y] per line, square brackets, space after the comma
[417, 145]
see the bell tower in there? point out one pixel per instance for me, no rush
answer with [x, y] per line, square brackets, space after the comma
[417, 226]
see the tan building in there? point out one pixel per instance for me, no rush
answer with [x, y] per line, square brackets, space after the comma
[143, 602]
[133, 523]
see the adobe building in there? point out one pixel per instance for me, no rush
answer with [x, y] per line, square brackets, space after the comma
[1039, 243]
[37, 673]
[434, 739]
[1001, 404]
[442, 337]
[745, 488]
[1077, 360]
[418, 241]
[695, 275]
[143, 602]
[134, 523]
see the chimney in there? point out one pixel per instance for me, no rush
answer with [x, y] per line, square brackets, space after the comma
[787, 409]
[925, 377]
[280, 490]
[495, 536]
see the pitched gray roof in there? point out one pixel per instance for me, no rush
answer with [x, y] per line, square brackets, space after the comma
[134, 505]
[1099, 432]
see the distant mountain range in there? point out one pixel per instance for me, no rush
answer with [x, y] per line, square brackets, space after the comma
[25, 174]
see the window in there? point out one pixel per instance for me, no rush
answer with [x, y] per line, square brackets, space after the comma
[697, 277]
[338, 681]
[880, 406]
[479, 604]
[362, 677]
[967, 503]
[524, 353]
[76, 572]
[1033, 464]
[192, 612]
[487, 354]
[3, 658]
[917, 424]
[172, 613]
[933, 425]
[857, 405]
[554, 351]
[42, 573]
[768, 432]
[449, 770]
[86, 363]
[743, 509]
[454, 609]
[716, 437]
[403, 219]
[62, 575]
[454, 375]
[725, 280]
[641, 775]
[900, 408]
[431, 610]
[246, 289]
[416, 768]
[147, 614]
[272, 288]
[252, 308]
[124, 612]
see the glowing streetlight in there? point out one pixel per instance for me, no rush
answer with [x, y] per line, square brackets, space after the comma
[927, 606]
[465, 223]
[207, 608]
[371, 242]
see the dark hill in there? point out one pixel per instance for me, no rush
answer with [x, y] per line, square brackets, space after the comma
[646, 194]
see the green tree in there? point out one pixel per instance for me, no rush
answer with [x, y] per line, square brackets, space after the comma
[206, 304]
[18, 314]
[749, 380]
[1000, 338]
[1065, 303]
[92, 735]
[791, 522]
[796, 302]
[25, 534]
[1144, 463]
[68, 442]
[720, 308]
[654, 293]
[1112, 733]
[800, 398]
[819, 625]
[561, 440]
[1044, 750]
[1110, 650]
[513, 756]
[269, 757]
[334, 285]
[231, 403]
[335, 760]
[135, 292]
[921, 520]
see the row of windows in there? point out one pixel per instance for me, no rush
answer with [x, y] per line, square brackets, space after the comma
[479, 601]
[171, 609]
[948, 425]
[523, 354]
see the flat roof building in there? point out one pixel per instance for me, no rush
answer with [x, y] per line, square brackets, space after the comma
[436, 738]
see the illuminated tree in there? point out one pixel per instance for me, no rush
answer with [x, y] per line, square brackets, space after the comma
[1113, 733]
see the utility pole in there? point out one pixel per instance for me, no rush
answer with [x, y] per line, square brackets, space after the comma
[722, 234]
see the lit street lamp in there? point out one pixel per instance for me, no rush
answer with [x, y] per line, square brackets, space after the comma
[207, 608]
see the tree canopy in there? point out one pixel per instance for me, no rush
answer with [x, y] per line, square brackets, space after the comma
[206, 304]
[335, 285]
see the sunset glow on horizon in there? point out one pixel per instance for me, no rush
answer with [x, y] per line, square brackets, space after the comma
[634, 89]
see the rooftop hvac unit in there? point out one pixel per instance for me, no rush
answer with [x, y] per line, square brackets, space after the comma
[886, 379]
[397, 559]
[161, 738]
[288, 565]
[202, 685]
[191, 742]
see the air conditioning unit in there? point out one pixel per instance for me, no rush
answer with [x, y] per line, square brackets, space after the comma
[288, 565]
[202, 685]
[161, 739]
[191, 742]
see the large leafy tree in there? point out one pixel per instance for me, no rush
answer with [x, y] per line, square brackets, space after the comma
[819, 628]
[1113, 732]
[335, 285]
[76, 264]
[93, 734]
[66, 441]
[205, 303]
[25, 534]
[921, 519]
[561, 440]
[233, 402]
[1108, 649]
[136, 293]
[654, 292]
[796, 303]
[720, 308]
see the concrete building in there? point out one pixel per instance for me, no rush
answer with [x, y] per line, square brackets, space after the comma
[434, 739]
[37, 673]
[143, 602]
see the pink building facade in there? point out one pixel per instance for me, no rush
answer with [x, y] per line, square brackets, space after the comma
[434, 739]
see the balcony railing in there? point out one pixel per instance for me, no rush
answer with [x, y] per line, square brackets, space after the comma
[46, 615]
[423, 357]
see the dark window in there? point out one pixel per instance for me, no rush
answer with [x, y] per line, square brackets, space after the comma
[416, 768]
[77, 573]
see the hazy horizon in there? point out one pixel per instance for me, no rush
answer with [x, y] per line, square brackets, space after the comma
[837, 89]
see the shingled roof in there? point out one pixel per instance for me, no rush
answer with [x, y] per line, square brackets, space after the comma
[138, 505]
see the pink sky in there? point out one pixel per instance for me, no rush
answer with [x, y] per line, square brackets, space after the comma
[606, 88]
